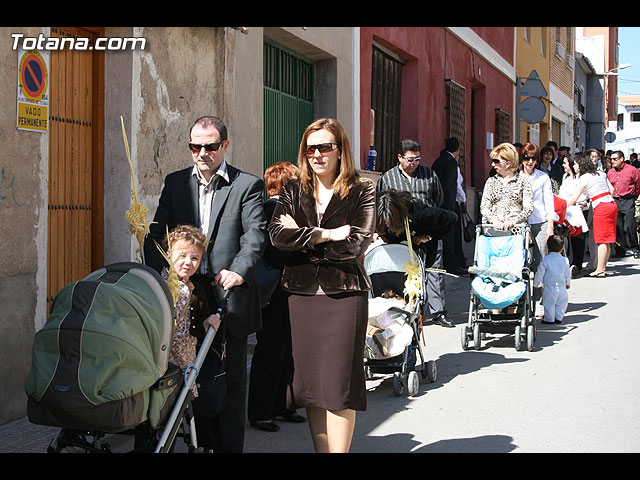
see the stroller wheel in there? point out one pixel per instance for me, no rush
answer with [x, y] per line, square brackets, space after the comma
[413, 383]
[530, 337]
[476, 336]
[517, 337]
[464, 337]
[429, 371]
[398, 387]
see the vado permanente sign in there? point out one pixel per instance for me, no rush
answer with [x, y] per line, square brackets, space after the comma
[33, 90]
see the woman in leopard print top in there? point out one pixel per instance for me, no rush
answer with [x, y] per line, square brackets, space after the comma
[507, 198]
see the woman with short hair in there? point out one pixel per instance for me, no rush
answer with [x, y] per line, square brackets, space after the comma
[507, 198]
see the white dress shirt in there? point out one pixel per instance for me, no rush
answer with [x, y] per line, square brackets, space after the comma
[543, 209]
[461, 196]
[206, 194]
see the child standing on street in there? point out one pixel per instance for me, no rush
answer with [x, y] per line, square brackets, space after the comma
[187, 247]
[554, 275]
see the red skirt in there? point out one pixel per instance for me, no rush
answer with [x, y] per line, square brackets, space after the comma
[605, 216]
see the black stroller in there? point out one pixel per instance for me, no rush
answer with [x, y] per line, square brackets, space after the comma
[100, 365]
[384, 265]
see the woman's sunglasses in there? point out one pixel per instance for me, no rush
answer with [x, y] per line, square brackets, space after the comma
[321, 147]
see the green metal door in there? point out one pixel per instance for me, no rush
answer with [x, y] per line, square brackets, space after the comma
[288, 102]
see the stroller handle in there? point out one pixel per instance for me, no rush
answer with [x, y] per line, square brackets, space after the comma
[191, 375]
[222, 307]
[490, 225]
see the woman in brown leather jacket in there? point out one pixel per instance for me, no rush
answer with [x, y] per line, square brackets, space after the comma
[326, 219]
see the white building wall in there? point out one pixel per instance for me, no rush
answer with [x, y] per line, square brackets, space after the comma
[628, 138]
[561, 109]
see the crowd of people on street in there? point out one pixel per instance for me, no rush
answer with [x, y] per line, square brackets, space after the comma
[320, 218]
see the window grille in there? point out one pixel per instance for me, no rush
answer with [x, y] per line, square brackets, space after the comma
[503, 126]
[288, 102]
[456, 116]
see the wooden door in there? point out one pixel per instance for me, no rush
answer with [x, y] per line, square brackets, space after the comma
[75, 164]
[386, 93]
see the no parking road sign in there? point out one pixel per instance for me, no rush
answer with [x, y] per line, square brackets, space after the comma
[33, 90]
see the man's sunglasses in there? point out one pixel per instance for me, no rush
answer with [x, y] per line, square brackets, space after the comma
[321, 147]
[209, 147]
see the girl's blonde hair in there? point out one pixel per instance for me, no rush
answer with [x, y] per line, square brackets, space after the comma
[189, 234]
[347, 174]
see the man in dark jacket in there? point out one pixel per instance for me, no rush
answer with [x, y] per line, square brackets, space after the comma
[226, 204]
[446, 167]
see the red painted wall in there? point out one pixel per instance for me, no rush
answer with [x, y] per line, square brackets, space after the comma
[433, 54]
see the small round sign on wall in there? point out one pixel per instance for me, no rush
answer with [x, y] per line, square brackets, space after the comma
[33, 76]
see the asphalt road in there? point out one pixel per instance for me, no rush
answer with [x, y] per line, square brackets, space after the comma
[577, 391]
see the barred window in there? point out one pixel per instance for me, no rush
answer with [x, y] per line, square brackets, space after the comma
[456, 117]
[503, 122]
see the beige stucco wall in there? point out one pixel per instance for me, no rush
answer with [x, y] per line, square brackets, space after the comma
[159, 92]
[187, 72]
[23, 227]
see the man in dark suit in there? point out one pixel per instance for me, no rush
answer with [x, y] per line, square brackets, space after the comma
[226, 204]
[446, 168]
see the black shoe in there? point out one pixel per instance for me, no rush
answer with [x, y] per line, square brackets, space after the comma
[443, 321]
[266, 425]
[546, 323]
[636, 254]
[293, 418]
[575, 273]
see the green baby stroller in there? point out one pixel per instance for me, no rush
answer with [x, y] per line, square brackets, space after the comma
[100, 364]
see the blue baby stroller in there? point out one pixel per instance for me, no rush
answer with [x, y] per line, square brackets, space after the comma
[384, 265]
[501, 289]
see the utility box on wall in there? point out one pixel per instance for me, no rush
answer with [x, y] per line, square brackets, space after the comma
[489, 145]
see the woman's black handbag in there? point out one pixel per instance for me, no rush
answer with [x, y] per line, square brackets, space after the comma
[468, 227]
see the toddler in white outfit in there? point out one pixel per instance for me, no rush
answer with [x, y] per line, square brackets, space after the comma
[554, 275]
